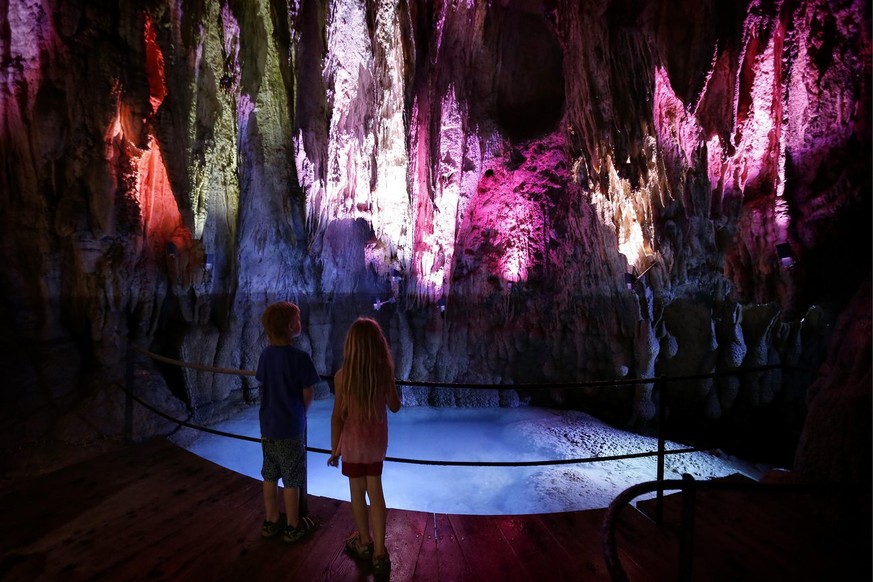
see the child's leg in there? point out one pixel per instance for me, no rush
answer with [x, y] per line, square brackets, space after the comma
[377, 512]
[291, 455]
[271, 498]
[291, 497]
[358, 490]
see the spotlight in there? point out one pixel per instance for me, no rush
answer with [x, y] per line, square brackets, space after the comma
[785, 254]
[442, 304]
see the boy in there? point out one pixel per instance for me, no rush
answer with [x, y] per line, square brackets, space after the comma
[287, 376]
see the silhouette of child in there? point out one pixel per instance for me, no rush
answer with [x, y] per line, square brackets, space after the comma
[364, 389]
[287, 376]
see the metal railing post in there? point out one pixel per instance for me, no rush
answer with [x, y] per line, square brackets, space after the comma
[662, 415]
[304, 505]
[686, 533]
[128, 400]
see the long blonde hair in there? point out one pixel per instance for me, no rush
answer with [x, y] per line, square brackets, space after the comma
[368, 368]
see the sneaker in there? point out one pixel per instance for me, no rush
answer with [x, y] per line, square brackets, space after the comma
[305, 526]
[356, 550]
[271, 528]
[382, 566]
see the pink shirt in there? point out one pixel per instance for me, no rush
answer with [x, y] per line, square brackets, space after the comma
[361, 440]
[364, 441]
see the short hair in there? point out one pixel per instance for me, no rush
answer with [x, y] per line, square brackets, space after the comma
[281, 321]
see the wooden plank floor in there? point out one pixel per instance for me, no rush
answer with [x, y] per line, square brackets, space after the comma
[769, 536]
[155, 511]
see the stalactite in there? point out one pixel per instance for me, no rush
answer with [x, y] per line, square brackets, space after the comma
[407, 161]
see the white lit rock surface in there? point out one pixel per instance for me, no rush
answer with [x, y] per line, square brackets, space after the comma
[486, 174]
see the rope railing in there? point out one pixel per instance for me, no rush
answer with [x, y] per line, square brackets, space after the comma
[598, 383]
[491, 386]
[443, 463]
[661, 452]
[200, 367]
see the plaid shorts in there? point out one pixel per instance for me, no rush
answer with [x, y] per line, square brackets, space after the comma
[285, 458]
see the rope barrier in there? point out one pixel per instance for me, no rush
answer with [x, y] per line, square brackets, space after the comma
[592, 384]
[201, 367]
[536, 463]
[416, 461]
[450, 385]
[185, 423]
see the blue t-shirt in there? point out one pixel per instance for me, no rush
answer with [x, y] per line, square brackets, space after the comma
[284, 371]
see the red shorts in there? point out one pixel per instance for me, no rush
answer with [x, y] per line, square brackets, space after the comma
[354, 470]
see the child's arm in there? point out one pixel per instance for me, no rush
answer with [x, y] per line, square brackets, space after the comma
[393, 397]
[336, 420]
[308, 394]
[336, 429]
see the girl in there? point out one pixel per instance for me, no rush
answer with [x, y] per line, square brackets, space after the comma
[364, 388]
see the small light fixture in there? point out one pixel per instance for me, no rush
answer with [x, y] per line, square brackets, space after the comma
[785, 254]
[378, 303]
[442, 304]
[207, 265]
[629, 280]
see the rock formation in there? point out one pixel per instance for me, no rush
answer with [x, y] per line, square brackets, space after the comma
[532, 191]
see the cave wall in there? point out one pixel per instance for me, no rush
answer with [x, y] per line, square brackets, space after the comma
[172, 167]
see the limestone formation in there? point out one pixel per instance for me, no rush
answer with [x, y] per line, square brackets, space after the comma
[540, 191]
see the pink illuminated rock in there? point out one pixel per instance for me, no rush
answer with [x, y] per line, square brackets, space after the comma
[521, 192]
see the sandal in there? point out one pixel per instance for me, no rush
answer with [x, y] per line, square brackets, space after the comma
[353, 547]
[271, 528]
[305, 526]
[382, 566]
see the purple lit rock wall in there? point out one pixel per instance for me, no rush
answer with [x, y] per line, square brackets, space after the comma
[171, 167]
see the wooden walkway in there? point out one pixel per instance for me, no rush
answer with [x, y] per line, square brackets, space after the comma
[157, 512]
